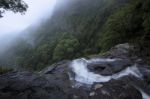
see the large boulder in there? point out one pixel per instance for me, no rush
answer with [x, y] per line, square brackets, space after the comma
[121, 50]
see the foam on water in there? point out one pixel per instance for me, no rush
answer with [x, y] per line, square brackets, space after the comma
[144, 95]
[83, 75]
[99, 60]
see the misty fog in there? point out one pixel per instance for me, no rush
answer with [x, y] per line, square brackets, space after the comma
[75, 49]
[13, 25]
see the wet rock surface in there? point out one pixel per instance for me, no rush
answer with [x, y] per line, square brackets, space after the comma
[109, 68]
[58, 81]
[116, 89]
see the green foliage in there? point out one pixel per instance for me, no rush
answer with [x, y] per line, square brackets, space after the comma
[66, 48]
[82, 28]
[12, 5]
[128, 24]
[81, 20]
[4, 70]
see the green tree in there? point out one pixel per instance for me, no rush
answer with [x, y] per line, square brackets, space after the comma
[125, 25]
[66, 48]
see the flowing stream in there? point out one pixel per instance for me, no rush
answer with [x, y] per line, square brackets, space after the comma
[84, 76]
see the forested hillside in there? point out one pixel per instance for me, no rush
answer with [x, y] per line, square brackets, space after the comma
[82, 28]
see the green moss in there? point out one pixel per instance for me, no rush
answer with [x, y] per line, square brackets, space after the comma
[4, 70]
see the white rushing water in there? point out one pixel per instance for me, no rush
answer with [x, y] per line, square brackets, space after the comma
[83, 75]
[145, 95]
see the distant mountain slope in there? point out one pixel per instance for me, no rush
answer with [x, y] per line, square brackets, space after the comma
[80, 28]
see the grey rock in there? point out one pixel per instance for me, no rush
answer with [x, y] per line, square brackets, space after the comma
[121, 50]
[54, 81]
[109, 68]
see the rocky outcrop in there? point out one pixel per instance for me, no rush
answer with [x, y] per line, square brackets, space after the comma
[58, 80]
[109, 68]
[116, 89]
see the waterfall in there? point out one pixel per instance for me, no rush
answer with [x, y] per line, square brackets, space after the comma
[83, 75]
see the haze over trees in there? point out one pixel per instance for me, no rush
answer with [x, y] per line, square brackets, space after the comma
[81, 28]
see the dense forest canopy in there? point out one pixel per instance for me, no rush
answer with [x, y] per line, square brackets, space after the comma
[83, 28]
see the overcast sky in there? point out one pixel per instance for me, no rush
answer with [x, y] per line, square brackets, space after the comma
[16, 22]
